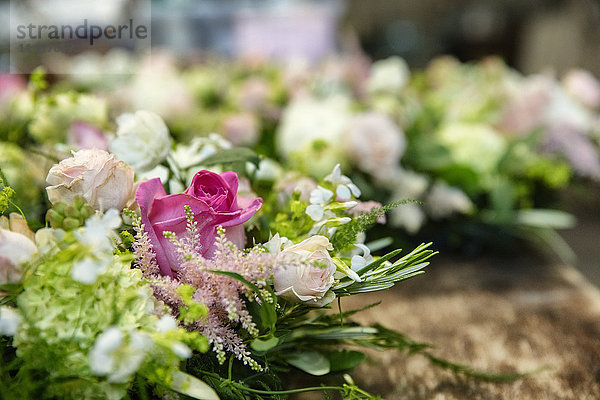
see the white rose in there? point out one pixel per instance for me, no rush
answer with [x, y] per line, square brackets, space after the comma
[142, 140]
[303, 282]
[374, 142]
[102, 180]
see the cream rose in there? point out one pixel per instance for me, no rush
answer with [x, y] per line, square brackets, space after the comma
[306, 282]
[102, 180]
[142, 141]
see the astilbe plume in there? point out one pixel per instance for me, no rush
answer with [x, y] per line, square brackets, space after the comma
[223, 296]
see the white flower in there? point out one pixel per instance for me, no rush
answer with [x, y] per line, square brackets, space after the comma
[98, 232]
[268, 170]
[181, 350]
[87, 270]
[297, 281]
[277, 243]
[166, 323]
[357, 262]
[15, 249]
[98, 235]
[319, 197]
[443, 200]
[389, 75]
[9, 321]
[374, 142]
[345, 189]
[142, 140]
[308, 120]
[96, 175]
[113, 357]
[408, 216]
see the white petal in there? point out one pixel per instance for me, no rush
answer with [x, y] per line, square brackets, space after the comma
[315, 212]
[364, 249]
[343, 192]
[320, 195]
[354, 189]
[357, 262]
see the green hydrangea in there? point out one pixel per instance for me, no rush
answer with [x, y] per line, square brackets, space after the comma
[62, 320]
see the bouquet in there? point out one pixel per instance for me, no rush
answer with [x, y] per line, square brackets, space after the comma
[156, 271]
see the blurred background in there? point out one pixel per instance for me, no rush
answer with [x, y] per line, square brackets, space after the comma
[531, 36]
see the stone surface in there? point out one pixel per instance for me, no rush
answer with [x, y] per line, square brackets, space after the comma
[494, 315]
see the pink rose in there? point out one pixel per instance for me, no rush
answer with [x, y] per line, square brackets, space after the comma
[213, 200]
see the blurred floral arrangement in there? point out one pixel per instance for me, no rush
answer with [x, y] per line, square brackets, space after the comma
[483, 148]
[154, 270]
[144, 255]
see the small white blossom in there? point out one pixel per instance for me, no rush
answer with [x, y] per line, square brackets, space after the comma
[358, 262]
[115, 358]
[9, 321]
[87, 270]
[181, 350]
[345, 188]
[276, 244]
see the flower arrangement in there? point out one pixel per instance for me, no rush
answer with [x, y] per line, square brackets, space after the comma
[154, 270]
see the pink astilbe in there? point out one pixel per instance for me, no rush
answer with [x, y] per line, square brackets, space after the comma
[142, 247]
[224, 296]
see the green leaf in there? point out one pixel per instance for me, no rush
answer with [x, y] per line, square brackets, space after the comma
[544, 218]
[311, 362]
[192, 386]
[232, 156]
[344, 359]
[264, 345]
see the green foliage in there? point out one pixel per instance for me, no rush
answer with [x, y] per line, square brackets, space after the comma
[37, 80]
[6, 192]
[192, 311]
[293, 222]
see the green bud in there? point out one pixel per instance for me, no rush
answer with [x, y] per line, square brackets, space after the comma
[60, 207]
[72, 212]
[54, 218]
[70, 223]
[79, 202]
